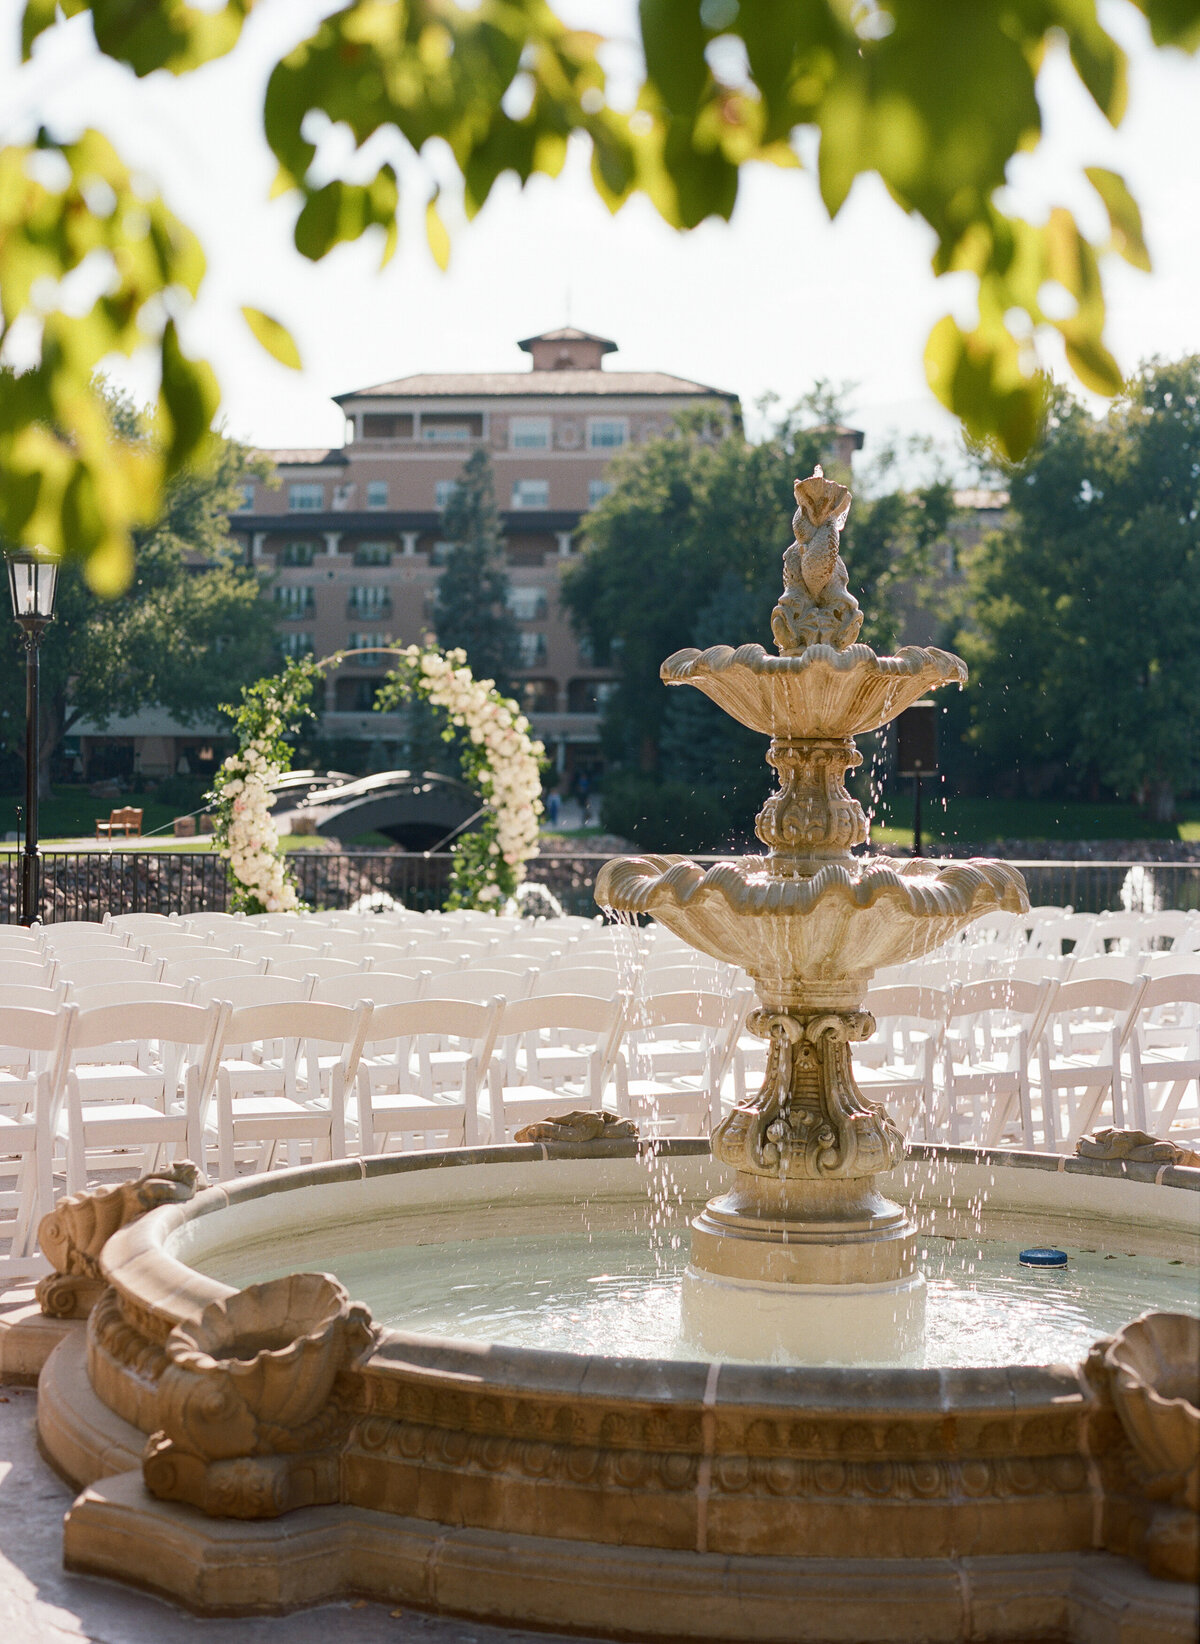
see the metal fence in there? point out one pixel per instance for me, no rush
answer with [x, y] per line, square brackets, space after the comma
[89, 884]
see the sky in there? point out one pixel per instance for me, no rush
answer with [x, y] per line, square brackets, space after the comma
[766, 304]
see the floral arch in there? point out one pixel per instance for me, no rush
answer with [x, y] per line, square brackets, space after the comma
[499, 760]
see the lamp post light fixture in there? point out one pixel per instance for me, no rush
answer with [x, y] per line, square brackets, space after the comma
[32, 585]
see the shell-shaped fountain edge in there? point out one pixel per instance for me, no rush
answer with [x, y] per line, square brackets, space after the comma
[643, 884]
[820, 692]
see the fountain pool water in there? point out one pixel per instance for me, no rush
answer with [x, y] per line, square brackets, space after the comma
[598, 1292]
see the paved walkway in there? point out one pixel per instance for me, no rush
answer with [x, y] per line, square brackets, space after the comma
[41, 1604]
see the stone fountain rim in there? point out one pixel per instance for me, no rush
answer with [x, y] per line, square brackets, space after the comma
[157, 1285]
[682, 665]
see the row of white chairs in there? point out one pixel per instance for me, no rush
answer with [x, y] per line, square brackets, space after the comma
[1039, 1062]
[122, 1084]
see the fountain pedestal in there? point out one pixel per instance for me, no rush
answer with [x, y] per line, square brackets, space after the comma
[803, 1258]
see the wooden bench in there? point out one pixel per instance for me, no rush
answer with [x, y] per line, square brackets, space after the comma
[126, 819]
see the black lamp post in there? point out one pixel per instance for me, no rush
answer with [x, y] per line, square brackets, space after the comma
[32, 584]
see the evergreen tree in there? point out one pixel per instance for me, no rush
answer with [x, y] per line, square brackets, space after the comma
[471, 606]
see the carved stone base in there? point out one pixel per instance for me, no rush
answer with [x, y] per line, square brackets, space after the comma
[833, 1324]
[821, 1272]
[322, 1554]
[248, 1487]
[805, 1233]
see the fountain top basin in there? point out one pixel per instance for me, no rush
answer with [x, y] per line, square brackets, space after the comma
[821, 693]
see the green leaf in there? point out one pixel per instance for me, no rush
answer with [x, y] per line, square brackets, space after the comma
[1124, 215]
[275, 338]
[188, 401]
[1173, 22]
[673, 39]
[435, 233]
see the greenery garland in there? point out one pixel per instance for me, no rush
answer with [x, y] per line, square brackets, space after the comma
[499, 760]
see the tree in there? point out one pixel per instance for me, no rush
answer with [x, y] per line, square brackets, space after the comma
[936, 99]
[192, 628]
[686, 550]
[471, 605]
[1086, 612]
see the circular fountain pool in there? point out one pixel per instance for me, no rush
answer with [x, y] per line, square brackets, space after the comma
[616, 1294]
[564, 1464]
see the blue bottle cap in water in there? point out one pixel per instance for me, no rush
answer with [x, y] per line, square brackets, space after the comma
[1040, 1257]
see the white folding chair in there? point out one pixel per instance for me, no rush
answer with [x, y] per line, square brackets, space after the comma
[301, 1097]
[677, 1050]
[34, 1052]
[398, 963]
[910, 1025]
[547, 1082]
[319, 968]
[25, 973]
[142, 926]
[595, 981]
[1079, 1053]
[43, 996]
[101, 994]
[152, 1103]
[1164, 1055]
[202, 967]
[244, 992]
[484, 982]
[395, 1099]
[86, 973]
[985, 1089]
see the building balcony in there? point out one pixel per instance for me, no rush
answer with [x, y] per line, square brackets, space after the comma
[374, 611]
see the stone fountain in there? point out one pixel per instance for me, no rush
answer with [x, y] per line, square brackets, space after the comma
[804, 1256]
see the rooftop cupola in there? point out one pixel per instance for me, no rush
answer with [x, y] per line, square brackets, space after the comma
[567, 349]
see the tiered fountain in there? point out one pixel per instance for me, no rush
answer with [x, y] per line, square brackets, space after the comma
[804, 1257]
[251, 1433]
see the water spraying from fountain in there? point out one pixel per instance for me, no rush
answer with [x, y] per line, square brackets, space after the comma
[804, 1256]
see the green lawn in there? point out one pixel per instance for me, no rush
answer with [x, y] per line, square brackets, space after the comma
[983, 820]
[72, 812]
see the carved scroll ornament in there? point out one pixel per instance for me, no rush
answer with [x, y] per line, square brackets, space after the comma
[77, 1229]
[809, 1119]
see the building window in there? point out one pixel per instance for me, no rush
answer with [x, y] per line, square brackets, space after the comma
[443, 493]
[372, 553]
[371, 601]
[367, 642]
[588, 696]
[247, 494]
[377, 425]
[529, 433]
[295, 600]
[607, 433]
[306, 498]
[531, 649]
[597, 491]
[447, 429]
[297, 644]
[376, 493]
[297, 553]
[538, 696]
[440, 553]
[356, 696]
[527, 604]
[531, 493]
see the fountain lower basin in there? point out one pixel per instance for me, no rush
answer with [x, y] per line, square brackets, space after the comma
[626, 1494]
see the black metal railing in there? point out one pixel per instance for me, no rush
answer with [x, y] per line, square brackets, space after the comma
[89, 884]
